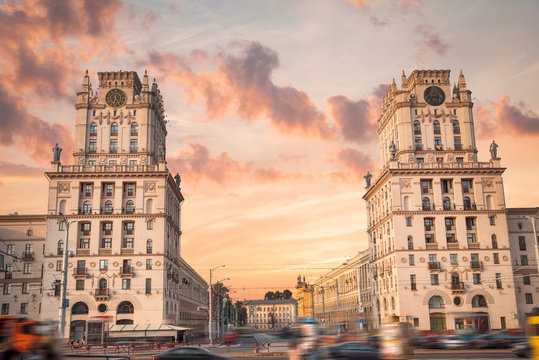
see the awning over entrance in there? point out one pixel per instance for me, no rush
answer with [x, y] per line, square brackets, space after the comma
[468, 313]
[139, 330]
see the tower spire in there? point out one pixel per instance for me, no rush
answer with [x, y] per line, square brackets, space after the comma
[462, 81]
[404, 81]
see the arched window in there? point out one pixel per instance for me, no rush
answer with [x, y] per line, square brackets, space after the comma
[447, 203]
[490, 205]
[114, 129]
[126, 307]
[108, 207]
[79, 309]
[149, 246]
[87, 207]
[479, 301]
[62, 207]
[426, 203]
[417, 127]
[149, 206]
[410, 242]
[103, 283]
[60, 248]
[436, 126]
[406, 203]
[93, 129]
[130, 207]
[467, 203]
[134, 129]
[436, 302]
[456, 127]
[494, 241]
[385, 304]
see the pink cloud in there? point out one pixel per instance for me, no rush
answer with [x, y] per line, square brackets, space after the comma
[362, 4]
[356, 163]
[429, 39]
[242, 85]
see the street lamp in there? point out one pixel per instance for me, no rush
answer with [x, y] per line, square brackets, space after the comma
[64, 304]
[210, 327]
[218, 309]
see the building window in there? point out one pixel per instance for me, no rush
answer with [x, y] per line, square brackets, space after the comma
[409, 221]
[108, 189]
[59, 266]
[149, 246]
[7, 289]
[128, 243]
[498, 280]
[522, 243]
[429, 238]
[453, 259]
[447, 186]
[456, 127]
[114, 129]
[436, 127]
[411, 259]
[5, 309]
[477, 279]
[496, 258]
[436, 302]
[494, 241]
[61, 226]
[93, 129]
[80, 308]
[148, 286]
[413, 284]
[417, 126]
[107, 228]
[27, 269]
[466, 202]
[479, 301]
[434, 279]
[106, 243]
[418, 143]
[526, 280]
[133, 145]
[129, 227]
[149, 225]
[79, 285]
[148, 264]
[523, 259]
[113, 145]
[460, 161]
[519, 224]
[425, 186]
[24, 288]
[87, 207]
[447, 203]
[126, 284]
[129, 207]
[438, 143]
[60, 248]
[92, 146]
[108, 207]
[425, 204]
[470, 223]
[103, 264]
[134, 129]
[466, 186]
[84, 243]
[529, 298]
[492, 220]
[129, 189]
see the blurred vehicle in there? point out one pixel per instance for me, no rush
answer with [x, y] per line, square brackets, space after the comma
[496, 340]
[286, 333]
[244, 332]
[522, 349]
[188, 352]
[455, 342]
[353, 350]
[230, 337]
[18, 335]
[532, 331]
[397, 341]
[428, 342]
[374, 340]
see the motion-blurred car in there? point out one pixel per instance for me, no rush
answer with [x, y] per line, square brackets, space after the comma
[455, 342]
[230, 337]
[522, 349]
[188, 352]
[353, 350]
[427, 342]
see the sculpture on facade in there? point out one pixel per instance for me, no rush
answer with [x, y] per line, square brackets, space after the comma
[162, 152]
[56, 153]
[178, 179]
[493, 150]
[392, 150]
[368, 178]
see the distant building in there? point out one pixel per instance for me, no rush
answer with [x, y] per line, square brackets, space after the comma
[22, 237]
[271, 314]
[305, 298]
[437, 224]
[523, 257]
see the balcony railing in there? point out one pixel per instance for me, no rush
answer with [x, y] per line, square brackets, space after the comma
[458, 147]
[126, 271]
[8, 275]
[434, 266]
[457, 286]
[82, 251]
[476, 265]
[80, 272]
[102, 294]
[128, 251]
[28, 255]
[453, 245]
[431, 246]
[105, 251]
[106, 168]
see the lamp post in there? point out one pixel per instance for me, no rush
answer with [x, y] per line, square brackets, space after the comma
[64, 282]
[218, 308]
[210, 325]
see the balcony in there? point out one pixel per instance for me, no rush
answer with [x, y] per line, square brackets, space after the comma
[453, 245]
[419, 148]
[83, 251]
[458, 147]
[434, 266]
[8, 275]
[102, 294]
[129, 232]
[105, 251]
[128, 251]
[80, 273]
[28, 255]
[457, 288]
[476, 265]
[473, 245]
[431, 246]
[127, 271]
[413, 286]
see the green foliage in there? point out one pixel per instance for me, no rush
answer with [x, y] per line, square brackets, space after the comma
[277, 295]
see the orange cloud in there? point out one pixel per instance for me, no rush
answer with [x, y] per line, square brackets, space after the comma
[508, 118]
[242, 84]
[356, 162]
[198, 164]
[429, 39]
[20, 170]
[362, 4]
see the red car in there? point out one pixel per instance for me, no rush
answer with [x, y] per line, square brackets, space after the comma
[230, 337]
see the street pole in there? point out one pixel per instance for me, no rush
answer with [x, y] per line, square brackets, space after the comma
[536, 245]
[64, 283]
[210, 325]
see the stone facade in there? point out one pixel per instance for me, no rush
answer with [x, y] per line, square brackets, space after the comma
[22, 236]
[437, 222]
[271, 314]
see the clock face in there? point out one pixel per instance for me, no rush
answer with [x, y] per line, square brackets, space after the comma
[115, 98]
[434, 96]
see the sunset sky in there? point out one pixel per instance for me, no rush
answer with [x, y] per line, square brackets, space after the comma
[272, 108]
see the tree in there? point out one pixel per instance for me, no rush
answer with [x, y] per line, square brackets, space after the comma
[270, 295]
[287, 294]
[241, 313]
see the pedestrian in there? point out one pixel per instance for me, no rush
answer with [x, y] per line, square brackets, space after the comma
[72, 342]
